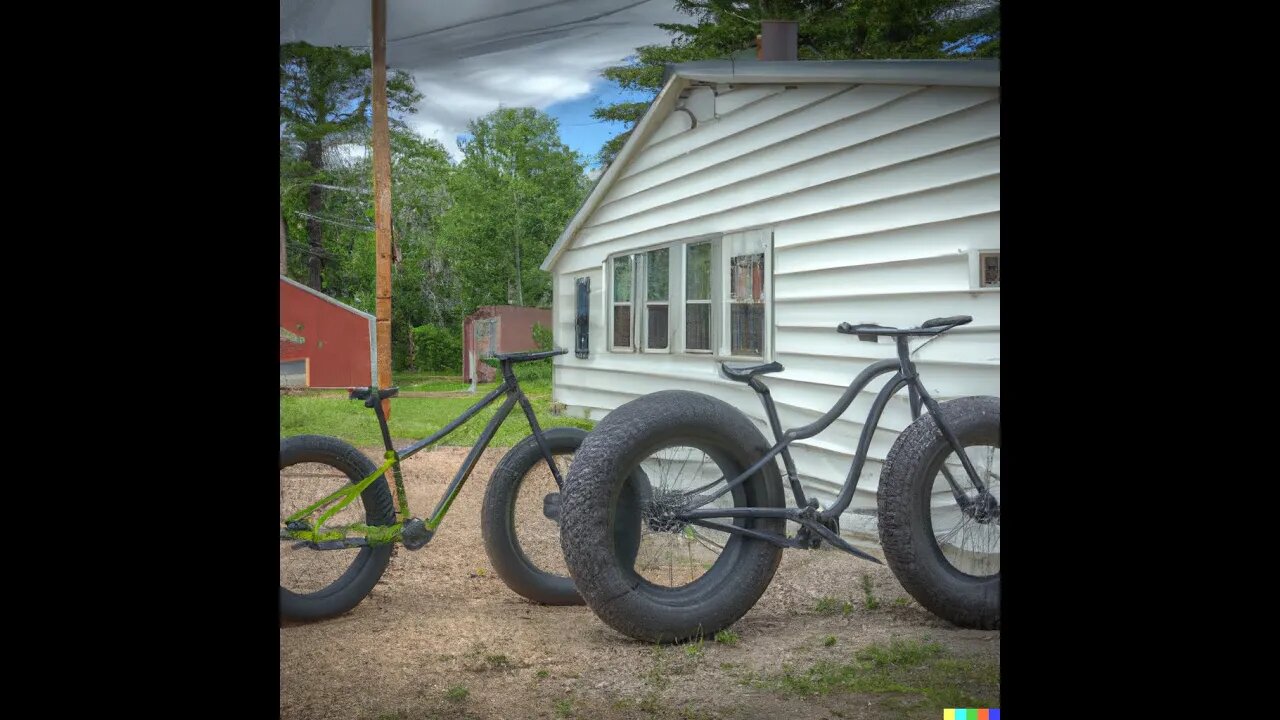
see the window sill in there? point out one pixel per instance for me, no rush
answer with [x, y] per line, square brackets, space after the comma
[740, 358]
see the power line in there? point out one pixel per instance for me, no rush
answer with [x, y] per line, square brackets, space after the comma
[360, 191]
[346, 224]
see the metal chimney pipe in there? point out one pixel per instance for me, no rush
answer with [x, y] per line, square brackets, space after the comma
[779, 39]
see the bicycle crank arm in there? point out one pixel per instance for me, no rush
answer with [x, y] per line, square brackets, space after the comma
[836, 540]
[779, 540]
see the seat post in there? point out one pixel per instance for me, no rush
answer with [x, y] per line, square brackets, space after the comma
[382, 422]
[908, 373]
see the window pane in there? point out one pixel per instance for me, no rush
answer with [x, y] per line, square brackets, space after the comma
[746, 329]
[622, 326]
[991, 270]
[698, 273]
[747, 277]
[622, 279]
[697, 326]
[656, 270]
[657, 339]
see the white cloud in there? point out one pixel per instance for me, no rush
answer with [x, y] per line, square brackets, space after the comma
[562, 68]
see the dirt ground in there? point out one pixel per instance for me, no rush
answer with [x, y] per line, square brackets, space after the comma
[441, 620]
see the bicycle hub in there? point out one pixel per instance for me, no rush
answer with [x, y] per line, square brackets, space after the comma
[984, 509]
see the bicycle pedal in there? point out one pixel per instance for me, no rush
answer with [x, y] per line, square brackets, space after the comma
[551, 507]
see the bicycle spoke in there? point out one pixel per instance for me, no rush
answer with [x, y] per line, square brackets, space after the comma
[707, 542]
[536, 535]
[674, 553]
[304, 570]
[970, 542]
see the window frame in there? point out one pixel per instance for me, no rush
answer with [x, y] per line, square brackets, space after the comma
[677, 298]
[975, 269]
[724, 347]
[612, 303]
[643, 285]
[713, 316]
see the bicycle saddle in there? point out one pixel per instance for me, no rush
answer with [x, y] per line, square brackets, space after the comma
[744, 374]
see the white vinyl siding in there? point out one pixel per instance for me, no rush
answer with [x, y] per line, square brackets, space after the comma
[879, 204]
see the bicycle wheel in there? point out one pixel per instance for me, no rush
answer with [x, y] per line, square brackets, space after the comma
[683, 579]
[519, 520]
[946, 557]
[317, 584]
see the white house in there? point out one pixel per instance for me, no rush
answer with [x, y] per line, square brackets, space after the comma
[755, 207]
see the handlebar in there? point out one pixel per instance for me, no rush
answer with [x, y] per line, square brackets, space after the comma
[929, 327]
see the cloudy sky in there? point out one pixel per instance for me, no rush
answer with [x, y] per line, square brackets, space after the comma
[470, 56]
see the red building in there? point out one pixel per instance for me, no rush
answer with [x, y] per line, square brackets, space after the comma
[499, 328]
[323, 343]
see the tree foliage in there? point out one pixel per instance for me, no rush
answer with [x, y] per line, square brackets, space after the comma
[514, 191]
[325, 96]
[827, 30]
[463, 235]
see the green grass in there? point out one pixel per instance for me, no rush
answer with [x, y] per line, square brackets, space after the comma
[542, 674]
[414, 418]
[727, 637]
[694, 649]
[457, 693]
[901, 668]
[828, 605]
[828, 641]
[869, 600]
[439, 386]
[564, 708]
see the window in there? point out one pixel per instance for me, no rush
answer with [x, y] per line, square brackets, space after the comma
[695, 296]
[745, 292]
[990, 268]
[622, 291]
[657, 284]
[581, 319]
[984, 269]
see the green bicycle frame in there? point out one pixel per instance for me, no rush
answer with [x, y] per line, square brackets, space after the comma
[316, 533]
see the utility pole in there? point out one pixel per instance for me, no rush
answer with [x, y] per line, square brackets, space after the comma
[382, 197]
[283, 258]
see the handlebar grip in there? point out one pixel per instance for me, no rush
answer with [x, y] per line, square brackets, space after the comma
[369, 398]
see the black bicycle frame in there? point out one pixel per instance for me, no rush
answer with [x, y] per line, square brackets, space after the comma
[804, 513]
[511, 388]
